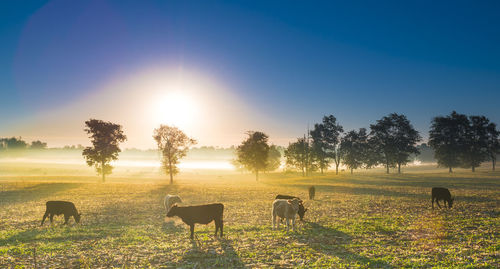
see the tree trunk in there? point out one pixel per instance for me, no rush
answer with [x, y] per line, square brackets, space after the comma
[493, 162]
[399, 168]
[336, 168]
[171, 172]
[449, 170]
[473, 169]
[321, 169]
[256, 175]
[103, 173]
[351, 171]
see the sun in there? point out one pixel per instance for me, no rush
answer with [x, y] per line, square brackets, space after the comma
[176, 108]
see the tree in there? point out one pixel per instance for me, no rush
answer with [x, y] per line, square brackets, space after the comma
[318, 147]
[394, 139]
[298, 155]
[253, 152]
[173, 145]
[492, 143]
[105, 137]
[354, 149]
[475, 150]
[273, 158]
[327, 136]
[447, 137]
[13, 143]
[38, 145]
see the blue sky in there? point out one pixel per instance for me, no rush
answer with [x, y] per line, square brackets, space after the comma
[289, 61]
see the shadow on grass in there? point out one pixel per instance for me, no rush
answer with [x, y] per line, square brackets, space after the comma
[35, 192]
[221, 254]
[333, 243]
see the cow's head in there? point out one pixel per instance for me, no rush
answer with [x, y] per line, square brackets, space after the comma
[302, 210]
[77, 217]
[173, 211]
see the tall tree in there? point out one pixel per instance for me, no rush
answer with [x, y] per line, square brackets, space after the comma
[318, 147]
[38, 145]
[253, 152]
[173, 144]
[273, 158]
[394, 139]
[331, 137]
[492, 143]
[475, 149]
[299, 156]
[447, 137]
[354, 149]
[105, 137]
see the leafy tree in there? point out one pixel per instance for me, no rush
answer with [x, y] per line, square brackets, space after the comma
[173, 145]
[447, 137]
[318, 147]
[253, 152]
[354, 149]
[38, 145]
[328, 140]
[273, 158]
[105, 137]
[394, 139]
[13, 143]
[299, 155]
[492, 143]
[475, 150]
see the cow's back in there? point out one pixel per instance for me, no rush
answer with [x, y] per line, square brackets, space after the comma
[203, 214]
[442, 193]
[60, 207]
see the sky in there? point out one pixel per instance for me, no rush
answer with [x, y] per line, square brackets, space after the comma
[217, 69]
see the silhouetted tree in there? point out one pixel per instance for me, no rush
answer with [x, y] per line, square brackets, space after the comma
[13, 143]
[38, 145]
[447, 137]
[329, 139]
[475, 150]
[105, 137]
[273, 158]
[299, 156]
[492, 143]
[394, 139]
[355, 149]
[318, 147]
[173, 145]
[253, 152]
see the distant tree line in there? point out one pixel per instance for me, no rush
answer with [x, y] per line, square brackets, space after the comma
[17, 143]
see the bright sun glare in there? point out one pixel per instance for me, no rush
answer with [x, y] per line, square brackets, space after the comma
[175, 108]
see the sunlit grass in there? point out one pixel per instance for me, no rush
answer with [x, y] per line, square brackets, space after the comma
[368, 219]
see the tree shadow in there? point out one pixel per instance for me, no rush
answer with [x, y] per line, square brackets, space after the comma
[220, 254]
[35, 192]
[332, 242]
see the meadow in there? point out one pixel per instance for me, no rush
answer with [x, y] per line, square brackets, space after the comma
[365, 220]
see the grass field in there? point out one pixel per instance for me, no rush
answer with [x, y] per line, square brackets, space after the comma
[365, 220]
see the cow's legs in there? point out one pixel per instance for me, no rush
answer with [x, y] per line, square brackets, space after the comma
[44, 216]
[432, 200]
[274, 222]
[66, 219]
[192, 230]
[437, 202]
[293, 224]
[221, 226]
[51, 218]
[287, 224]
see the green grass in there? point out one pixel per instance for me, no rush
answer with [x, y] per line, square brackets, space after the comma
[368, 220]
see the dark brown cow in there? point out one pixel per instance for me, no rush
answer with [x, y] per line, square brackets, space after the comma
[59, 208]
[203, 214]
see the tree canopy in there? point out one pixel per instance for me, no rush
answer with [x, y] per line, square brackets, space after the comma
[105, 138]
[354, 149]
[253, 152]
[173, 145]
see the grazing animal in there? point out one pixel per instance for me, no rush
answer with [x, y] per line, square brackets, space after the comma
[285, 209]
[170, 200]
[312, 192]
[203, 214]
[59, 208]
[302, 209]
[441, 194]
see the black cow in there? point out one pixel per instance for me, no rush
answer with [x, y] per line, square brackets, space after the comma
[312, 192]
[203, 214]
[302, 210]
[441, 194]
[59, 208]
